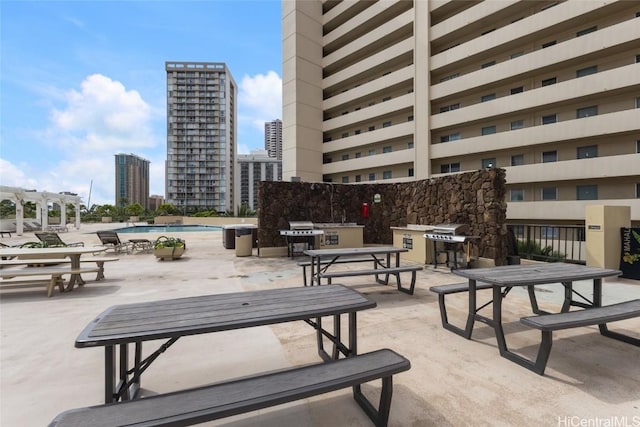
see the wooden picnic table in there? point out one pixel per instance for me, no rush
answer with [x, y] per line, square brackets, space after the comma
[172, 319]
[72, 252]
[503, 278]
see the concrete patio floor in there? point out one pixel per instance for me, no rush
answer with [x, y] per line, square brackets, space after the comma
[452, 382]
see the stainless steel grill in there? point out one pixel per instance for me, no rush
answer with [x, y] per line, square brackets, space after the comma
[455, 233]
[299, 235]
[455, 237]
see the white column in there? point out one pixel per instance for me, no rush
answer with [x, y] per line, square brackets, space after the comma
[19, 217]
[63, 213]
[77, 204]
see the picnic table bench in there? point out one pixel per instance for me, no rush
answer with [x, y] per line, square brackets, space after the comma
[56, 261]
[235, 397]
[547, 323]
[30, 275]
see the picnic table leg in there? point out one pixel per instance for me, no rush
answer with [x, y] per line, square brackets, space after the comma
[109, 374]
[75, 277]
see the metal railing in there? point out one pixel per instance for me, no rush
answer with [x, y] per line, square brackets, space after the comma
[551, 243]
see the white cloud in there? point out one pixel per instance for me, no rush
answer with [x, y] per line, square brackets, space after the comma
[103, 115]
[260, 99]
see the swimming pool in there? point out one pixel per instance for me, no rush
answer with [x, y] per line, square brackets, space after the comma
[166, 228]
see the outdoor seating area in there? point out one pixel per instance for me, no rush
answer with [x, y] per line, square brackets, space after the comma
[247, 365]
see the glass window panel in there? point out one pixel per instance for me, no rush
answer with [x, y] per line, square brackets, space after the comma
[517, 160]
[549, 193]
[587, 192]
[517, 195]
[549, 156]
[587, 152]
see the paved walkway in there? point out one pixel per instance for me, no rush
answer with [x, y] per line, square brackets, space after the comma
[452, 382]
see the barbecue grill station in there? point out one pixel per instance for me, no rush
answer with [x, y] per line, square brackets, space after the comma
[303, 235]
[453, 241]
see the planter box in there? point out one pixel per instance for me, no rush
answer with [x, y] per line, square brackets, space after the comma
[169, 253]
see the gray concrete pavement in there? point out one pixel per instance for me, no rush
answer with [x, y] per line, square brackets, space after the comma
[452, 381]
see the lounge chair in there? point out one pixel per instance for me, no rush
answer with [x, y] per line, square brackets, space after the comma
[31, 225]
[52, 239]
[112, 240]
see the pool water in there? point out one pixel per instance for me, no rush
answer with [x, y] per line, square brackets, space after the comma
[166, 228]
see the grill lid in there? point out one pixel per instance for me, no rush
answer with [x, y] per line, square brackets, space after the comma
[300, 225]
[453, 229]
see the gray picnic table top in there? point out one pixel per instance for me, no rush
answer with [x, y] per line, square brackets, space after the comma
[213, 313]
[367, 250]
[535, 274]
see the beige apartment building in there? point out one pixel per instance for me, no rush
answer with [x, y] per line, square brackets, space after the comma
[398, 90]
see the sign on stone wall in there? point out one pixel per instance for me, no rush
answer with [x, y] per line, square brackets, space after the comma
[630, 259]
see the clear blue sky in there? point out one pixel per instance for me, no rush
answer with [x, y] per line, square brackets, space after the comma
[81, 81]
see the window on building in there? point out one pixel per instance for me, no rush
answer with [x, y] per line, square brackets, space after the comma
[637, 58]
[551, 118]
[356, 132]
[345, 134]
[326, 139]
[345, 157]
[489, 163]
[587, 71]
[581, 113]
[386, 98]
[549, 193]
[586, 31]
[488, 130]
[410, 118]
[372, 152]
[517, 54]
[345, 179]
[410, 172]
[449, 108]
[548, 44]
[449, 77]
[488, 64]
[587, 192]
[516, 195]
[518, 124]
[518, 89]
[517, 160]
[358, 155]
[410, 145]
[638, 191]
[386, 175]
[549, 156]
[358, 178]
[638, 146]
[326, 160]
[587, 152]
[386, 124]
[637, 102]
[450, 167]
[549, 81]
[451, 137]
[488, 97]
[372, 128]
[372, 177]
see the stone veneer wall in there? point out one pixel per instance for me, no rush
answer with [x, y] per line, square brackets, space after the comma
[474, 198]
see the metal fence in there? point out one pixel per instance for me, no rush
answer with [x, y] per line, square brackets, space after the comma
[545, 242]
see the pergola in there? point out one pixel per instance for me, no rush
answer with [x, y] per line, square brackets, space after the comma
[42, 199]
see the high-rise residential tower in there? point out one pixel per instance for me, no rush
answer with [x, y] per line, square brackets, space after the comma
[253, 168]
[403, 90]
[273, 138]
[201, 136]
[132, 180]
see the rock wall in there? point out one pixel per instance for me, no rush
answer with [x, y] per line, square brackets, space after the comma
[475, 198]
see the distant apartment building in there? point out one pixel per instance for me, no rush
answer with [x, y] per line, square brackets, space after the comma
[155, 200]
[253, 168]
[132, 180]
[273, 138]
[392, 91]
[201, 136]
